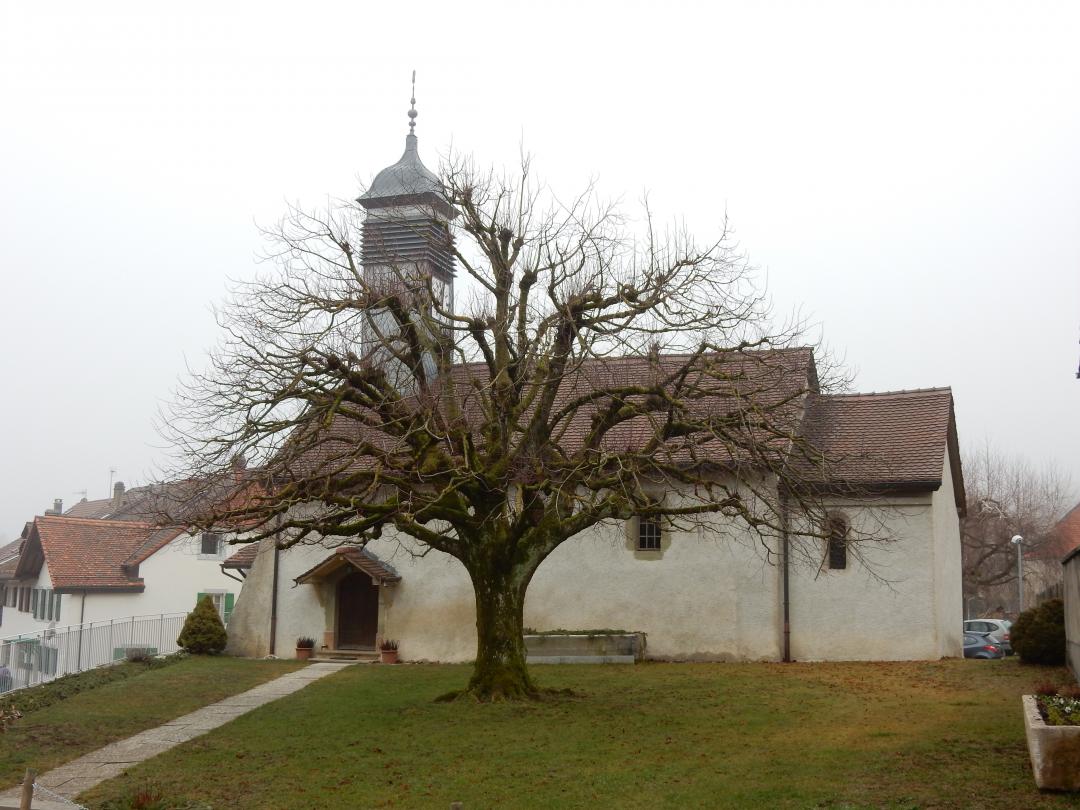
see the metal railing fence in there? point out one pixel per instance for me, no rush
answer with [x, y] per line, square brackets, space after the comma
[35, 658]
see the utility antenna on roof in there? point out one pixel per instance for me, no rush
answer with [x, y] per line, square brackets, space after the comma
[412, 109]
[80, 492]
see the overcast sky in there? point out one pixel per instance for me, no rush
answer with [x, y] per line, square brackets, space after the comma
[907, 174]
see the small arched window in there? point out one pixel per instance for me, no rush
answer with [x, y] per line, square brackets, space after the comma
[837, 535]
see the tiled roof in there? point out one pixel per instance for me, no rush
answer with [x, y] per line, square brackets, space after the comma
[166, 503]
[90, 554]
[885, 440]
[244, 558]
[774, 381]
[9, 558]
[91, 509]
[890, 439]
[155, 542]
[359, 558]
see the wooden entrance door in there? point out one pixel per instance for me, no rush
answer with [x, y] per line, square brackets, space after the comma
[357, 611]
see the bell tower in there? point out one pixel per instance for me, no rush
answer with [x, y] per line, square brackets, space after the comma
[406, 236]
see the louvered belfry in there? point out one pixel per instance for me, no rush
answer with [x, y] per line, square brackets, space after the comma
[406, 233]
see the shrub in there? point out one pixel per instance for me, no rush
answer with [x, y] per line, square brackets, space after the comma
[203, 631]
[1039, 634]
[305, 643]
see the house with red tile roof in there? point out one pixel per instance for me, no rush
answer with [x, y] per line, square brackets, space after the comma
[67, 570]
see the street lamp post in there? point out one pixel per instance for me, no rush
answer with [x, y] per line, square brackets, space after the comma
[1018, 541]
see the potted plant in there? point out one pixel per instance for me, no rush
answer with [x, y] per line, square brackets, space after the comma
[388, 651]
[1052, 726]
[304, 647]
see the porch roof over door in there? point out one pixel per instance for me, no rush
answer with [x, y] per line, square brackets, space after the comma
[358, 559]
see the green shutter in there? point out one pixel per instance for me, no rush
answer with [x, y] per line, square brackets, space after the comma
[56, 608]
[199, 597]
[228, 607]
[35, 594]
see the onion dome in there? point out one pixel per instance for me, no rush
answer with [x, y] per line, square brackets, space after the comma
[409, 181]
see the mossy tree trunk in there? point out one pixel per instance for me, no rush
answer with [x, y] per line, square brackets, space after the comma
[500, 672]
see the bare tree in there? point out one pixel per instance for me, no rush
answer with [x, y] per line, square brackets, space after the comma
[584, 372]
[1006, 496]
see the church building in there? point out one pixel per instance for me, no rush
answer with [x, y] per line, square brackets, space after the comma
[696, 595]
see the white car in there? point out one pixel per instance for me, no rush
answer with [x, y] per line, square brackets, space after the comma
[998, 629]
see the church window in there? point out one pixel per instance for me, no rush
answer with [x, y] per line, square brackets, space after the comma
[649, 534]
[837, 536]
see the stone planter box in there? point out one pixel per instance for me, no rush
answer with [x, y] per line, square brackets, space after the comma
[1054, 750]
[585, 648]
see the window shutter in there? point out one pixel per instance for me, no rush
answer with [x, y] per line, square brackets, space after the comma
[56, 608]
[34, 601]
[228, 606]
[199, 597]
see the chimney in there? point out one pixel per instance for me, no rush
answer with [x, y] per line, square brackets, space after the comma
[117, 495]
[57, 507]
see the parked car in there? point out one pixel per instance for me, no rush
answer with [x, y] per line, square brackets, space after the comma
[999, 630]
[980, 645]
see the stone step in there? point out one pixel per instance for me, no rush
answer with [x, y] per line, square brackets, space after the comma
[344, 656]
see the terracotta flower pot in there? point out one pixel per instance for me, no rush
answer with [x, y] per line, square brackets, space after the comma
[388, 656]
[303, 653]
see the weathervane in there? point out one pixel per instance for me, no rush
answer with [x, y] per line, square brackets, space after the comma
[412, 110]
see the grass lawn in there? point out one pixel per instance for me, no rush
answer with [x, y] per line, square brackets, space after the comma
[943, 734]
[130, 698]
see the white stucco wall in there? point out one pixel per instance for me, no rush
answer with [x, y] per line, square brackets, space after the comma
[249, 629]
[948, 567]
[704, 597]
[880, 609]
[430, 610]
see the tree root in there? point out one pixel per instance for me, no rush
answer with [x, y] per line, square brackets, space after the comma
[500, 696]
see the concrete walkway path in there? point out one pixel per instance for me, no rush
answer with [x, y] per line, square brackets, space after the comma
[81, 774]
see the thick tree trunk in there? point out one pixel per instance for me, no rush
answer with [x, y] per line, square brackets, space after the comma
[500, 672]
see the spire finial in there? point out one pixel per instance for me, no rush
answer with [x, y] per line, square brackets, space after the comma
[412, 110]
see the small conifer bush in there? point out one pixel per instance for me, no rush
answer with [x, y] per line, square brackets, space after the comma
[1039, 634]
[203, 632]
